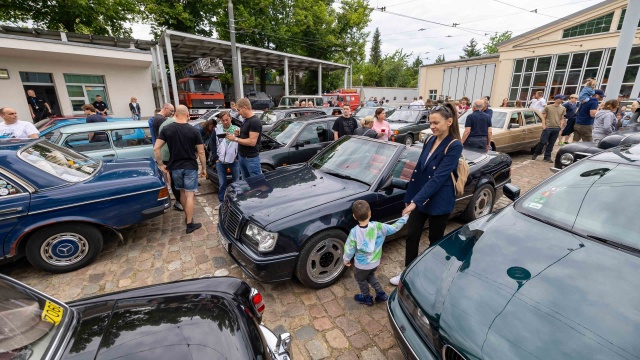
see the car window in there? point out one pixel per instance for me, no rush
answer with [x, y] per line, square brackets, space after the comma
[81, 142]
[313, 134]
[7, 188]
[53, 135]
[590, 197]
[516, 118]
[498, 118]
[268, 117]
[529, 117]
[285, 130]
[406, 164]
[124, 138]
[58, 161]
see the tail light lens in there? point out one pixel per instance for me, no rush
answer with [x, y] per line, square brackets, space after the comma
[256, 299]
[163, 193]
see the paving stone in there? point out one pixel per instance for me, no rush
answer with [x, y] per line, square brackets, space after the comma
[322, 324]
[371, 326]
[221, 272]
[325, 295]
[175, 265]
[384, 340]
[395, 354]
[309, 299]
[347, 325]
[124, 282]
[305, 333]
[372, 354]
[336, 340]
[333, 308]
[317, 311]
[349, 355]
[317, 349]
[360, 340]
[294, 310]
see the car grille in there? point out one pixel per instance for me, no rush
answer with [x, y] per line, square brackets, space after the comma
[449, 353]
[231, 218]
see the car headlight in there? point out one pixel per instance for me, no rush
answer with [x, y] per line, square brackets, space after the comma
[265, 240]
[425, 136]
[566, 159]
[416, 315]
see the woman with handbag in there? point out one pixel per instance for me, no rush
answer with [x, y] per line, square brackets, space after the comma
[432, 189]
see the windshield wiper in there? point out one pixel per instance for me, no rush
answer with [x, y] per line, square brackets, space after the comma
[614, 243]
[345, 176]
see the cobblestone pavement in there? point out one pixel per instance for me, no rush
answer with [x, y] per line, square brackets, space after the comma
[325, 323]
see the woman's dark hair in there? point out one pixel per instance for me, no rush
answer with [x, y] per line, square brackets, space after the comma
[206, 125]
[448, 111]
[610, 105]
[378, 112]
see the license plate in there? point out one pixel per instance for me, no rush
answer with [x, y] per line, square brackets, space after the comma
[224, 242]
[52, 313]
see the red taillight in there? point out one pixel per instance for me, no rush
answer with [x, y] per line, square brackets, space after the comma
[256, 298]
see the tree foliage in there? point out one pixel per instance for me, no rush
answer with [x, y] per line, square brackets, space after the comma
[376, 53]
[471, 50]
[492, 46]
[190, 16]
[440, 59]
[99, 17]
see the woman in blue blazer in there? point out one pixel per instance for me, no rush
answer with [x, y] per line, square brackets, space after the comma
[431, 192]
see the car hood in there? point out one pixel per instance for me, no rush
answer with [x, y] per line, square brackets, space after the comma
[626, 135]
[289, 190]
[510, 287]
[399, 125]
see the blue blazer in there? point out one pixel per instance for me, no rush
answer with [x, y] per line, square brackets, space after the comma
[431, 187]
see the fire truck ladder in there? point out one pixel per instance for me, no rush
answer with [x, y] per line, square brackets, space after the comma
[202, 67]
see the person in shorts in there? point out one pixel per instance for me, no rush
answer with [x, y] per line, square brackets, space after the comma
[185, 148]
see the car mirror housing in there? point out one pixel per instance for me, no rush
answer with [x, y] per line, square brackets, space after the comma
[511, 191]
[513, 126]
[395, 183]
[299, 144]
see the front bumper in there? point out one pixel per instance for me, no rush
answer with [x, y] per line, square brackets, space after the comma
[259, 267]
[409, 341]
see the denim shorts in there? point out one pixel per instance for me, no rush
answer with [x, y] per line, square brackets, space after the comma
[186, 180]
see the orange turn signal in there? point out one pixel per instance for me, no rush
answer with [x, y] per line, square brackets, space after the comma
[163, 193]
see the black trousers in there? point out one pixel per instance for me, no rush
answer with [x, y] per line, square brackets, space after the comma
[476, 142]
[415, 225]
[547, 140]
[176, 192]
[364, 278]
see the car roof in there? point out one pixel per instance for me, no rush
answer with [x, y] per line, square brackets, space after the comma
[625, 154]
[14, 144]
[310, 118]
[104, 126]
[285, 109]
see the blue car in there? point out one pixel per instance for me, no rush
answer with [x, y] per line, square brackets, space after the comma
[55, 204]
[51, 129]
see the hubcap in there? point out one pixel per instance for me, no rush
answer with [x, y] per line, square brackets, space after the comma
[408, 141]
[483, 203]
[325, 261]
[64, 249]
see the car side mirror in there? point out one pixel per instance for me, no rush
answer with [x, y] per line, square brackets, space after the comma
[513, 126]
[511, 191]
[398, 183]
[283, 344]
[117, 137]
[299, 144]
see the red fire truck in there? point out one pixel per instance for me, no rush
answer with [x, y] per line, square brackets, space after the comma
[344, 96]
[199, 87]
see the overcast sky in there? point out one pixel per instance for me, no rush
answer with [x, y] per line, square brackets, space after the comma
[475, 18]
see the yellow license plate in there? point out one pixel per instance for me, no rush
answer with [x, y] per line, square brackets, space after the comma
[52, 313]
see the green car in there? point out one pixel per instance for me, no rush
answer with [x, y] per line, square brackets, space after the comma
[552, 276]
[406, 124]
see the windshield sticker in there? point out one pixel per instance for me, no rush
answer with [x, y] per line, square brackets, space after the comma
[540, 199]
[87, 169]
[4, 191]
[534, 205]
[52, 313]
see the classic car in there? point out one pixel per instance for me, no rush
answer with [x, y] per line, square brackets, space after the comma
[332, 111]
[292, 141]
[552, 276]
[270, 117]
[259, 100]
[206, 318]
[52, 128]
[371, 111]
[55, 203]
[119, 140]
[289, 101]
[512, 129]
[294, 221]
[406, 124]
[570, 153]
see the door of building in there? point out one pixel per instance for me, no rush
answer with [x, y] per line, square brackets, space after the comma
[42, 84]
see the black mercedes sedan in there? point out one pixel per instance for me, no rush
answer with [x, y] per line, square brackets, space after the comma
[270, 117]
[207, 318]
[552, 276]
[406, 124]
[294, 221]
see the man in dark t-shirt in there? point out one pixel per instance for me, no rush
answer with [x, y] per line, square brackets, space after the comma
[38, 107]
[166, 111]
[94, 117]
[248, 139]
[100, 105]
[586, 116]
[184, 143]
[345, 124]
[477, 128]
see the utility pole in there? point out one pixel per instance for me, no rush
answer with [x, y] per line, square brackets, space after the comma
[237, 80]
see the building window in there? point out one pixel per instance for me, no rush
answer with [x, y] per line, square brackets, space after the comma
[594, 26]
[433, 94]
[36, 78]
[630, 73]
[622, 14]
[83, 89]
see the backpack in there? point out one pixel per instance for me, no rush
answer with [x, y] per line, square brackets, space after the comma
[463, 172]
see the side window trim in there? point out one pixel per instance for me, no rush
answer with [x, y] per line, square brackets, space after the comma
[15, 179]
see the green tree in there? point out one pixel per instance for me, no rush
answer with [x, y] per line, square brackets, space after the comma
[440, 59]
[376, 53]
[99, 17]
[492, 46]
[471, 50]
[190, 16]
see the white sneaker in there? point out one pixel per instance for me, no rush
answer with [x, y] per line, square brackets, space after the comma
[395, 280]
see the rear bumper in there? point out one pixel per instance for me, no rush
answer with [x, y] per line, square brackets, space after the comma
[408, 340]
[155, 211]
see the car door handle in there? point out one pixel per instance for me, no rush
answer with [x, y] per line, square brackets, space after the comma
[12, 210]
[110, 155]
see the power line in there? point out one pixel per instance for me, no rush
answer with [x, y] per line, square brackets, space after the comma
[472, 31]
[535, 11]
[528, 11]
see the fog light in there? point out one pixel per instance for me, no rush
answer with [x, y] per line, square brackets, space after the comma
[566, 159]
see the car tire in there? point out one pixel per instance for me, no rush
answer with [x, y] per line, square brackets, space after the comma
[64, 247]
[481, 203]
[408, 140]
[320, 262]
[266, 168]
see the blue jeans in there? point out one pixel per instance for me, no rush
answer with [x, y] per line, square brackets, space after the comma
[249, 166]
[186, 180]
[547, 140]
[222, 176]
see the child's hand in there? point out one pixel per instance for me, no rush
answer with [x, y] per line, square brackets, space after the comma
[347, 263]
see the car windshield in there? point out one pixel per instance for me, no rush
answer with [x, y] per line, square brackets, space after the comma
[285, 130]
[268, 117]
[63, 163]
[404, 116]
[497, 120]
[591, 198]
[366, 111]
[29, 322]
[205, 85]
[357, 159]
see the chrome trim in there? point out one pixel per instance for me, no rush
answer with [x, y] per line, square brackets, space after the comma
[503, 184]
[444, 348]
[30, 188]
[94, 201]
[6, 211]
[554, 169]
[395, 325]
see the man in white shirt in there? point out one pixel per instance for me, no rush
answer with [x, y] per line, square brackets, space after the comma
[538, 102]
[420, 101]
[415, 103]
[12, 128]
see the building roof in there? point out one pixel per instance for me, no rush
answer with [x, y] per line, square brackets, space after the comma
[481, 57]
[556, 22]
